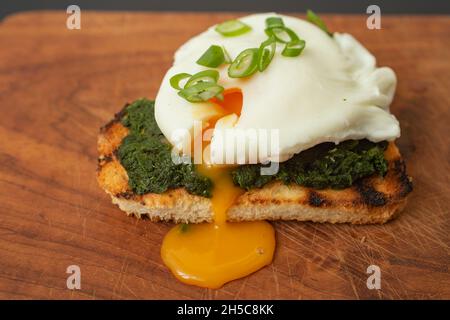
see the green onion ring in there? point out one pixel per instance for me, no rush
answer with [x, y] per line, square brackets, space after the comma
[220, 97]
[315, 19]
[293, 48]
[274, 22]
[202, 91]
[228, 59]
[211, 76]
[245, 64]
[232, 28]
[212, 57]
[176, 79]
[266, 52]
[283, 35]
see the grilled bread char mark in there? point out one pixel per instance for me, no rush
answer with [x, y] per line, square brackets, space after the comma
[371, 200]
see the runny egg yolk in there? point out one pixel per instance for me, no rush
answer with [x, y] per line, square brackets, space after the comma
[212, 254]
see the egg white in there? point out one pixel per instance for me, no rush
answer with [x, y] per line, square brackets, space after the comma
[332, 92]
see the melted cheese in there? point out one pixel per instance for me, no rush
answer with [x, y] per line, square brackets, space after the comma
[332, 92]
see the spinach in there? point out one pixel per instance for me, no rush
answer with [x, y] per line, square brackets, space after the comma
[146, 156]
[325, 165]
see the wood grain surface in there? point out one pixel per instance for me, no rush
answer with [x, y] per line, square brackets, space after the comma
[58, 86]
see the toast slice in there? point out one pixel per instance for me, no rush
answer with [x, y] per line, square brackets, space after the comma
[371, 200]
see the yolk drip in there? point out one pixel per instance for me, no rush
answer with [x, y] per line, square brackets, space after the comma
[232, 101]
[212, 254]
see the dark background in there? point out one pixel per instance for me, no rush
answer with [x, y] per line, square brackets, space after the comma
[337, 6]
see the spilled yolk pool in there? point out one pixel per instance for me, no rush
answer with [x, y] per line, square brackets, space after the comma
[212, 254]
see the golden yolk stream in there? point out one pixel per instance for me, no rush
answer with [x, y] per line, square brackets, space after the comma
[212, 254]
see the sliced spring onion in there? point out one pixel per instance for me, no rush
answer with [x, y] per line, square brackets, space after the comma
[176, 79]
[232, 28]
[245, 64]
[212, 58]
[293, 48]
[315, 19]
[282, 34]
[210, 76]
[228, 59]
[202, 91]
[274, 22]
[266, 53]
[220, 97]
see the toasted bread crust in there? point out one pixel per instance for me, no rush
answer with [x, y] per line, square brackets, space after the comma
[371, 200]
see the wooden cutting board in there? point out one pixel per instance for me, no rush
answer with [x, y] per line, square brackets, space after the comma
[58, 86]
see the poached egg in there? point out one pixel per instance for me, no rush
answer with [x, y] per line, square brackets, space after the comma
[332, 92]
